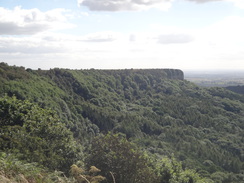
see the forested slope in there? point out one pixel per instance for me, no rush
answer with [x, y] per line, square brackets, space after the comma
[156, 109]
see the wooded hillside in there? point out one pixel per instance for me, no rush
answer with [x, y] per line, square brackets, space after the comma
[64, 113]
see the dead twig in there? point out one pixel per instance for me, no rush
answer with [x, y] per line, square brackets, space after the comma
[112, 177]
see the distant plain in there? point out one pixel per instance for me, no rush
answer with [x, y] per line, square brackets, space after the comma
[216, 78]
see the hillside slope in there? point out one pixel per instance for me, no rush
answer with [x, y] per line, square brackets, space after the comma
[156, 108]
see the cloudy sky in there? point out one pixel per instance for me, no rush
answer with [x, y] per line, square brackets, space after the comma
[117, 34]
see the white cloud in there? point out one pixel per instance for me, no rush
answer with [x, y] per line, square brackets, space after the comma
[27, 22]
[29, 45]
[237, 3]
[136, 5]
[124, 5]
[204, 1]
[174, 38]
[100, 37]
[229, 31]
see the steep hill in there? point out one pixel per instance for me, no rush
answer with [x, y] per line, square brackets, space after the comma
[155, 108]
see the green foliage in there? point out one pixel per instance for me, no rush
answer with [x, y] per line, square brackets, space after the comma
[113, 153]
[14, 170]
[36, 134]
[11, 167]
[154, 108]
[171, 171]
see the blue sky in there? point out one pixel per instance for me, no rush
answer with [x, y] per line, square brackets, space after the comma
[117, 34]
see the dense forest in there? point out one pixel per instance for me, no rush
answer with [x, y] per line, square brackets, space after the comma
[123, 126]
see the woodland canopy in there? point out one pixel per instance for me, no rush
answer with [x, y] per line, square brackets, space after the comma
[117, 126]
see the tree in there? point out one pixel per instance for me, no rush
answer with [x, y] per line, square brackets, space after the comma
[171, 171]
[113, 153]
[36, 134]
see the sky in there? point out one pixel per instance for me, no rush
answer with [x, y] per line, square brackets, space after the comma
[123, 34]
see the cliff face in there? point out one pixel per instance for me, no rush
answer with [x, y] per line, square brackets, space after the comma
[165, 73]
[174, 74]
[160, 73]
